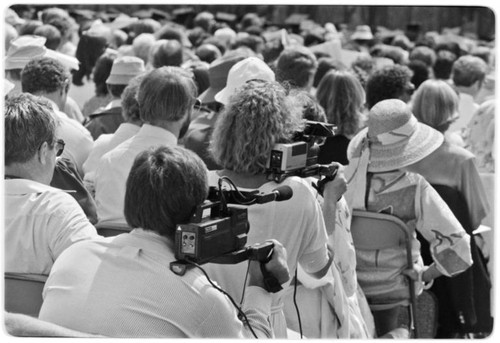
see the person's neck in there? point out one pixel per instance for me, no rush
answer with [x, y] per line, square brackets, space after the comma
[172, 126]
[245, 180]
[54, 97]
[467, 90]
[23, 172]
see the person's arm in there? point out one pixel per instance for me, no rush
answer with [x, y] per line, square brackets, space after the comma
[449, 243]
[69, 225]
[332, 193]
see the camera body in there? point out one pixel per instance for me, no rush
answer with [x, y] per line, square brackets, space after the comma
[212, 232]
[300, 157]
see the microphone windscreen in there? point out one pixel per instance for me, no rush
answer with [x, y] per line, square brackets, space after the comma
[283, 193]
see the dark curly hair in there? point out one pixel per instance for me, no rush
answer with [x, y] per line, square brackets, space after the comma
[389, 82]
[44, 74]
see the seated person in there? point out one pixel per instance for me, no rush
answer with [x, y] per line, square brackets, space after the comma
[106, 278]
[379, 181]
[40, 221]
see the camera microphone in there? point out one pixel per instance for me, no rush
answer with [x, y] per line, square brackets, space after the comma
[281, 193]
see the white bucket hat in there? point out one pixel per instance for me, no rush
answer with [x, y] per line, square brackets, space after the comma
[124, 69]
[394, 139]
[248, 69]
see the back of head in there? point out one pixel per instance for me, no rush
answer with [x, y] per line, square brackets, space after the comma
[90, 47]
[146, 25]
[420, 72]
[44, 75]
[435, 103]
[142, 45]
[443, 65]
[258, 116]
[205, 20]
[173, 32]
[208, 52]
[424, 54]
[342, 96]
[297, 66]
[51, 33]
[29, 122]
[256, 43]
[164, 186]
[29, 27]
[166, 52]
[468, 70]
[130, 105]
[102, 70]
[390, 82]
[325, 64]
[166, 94]
[311, 109]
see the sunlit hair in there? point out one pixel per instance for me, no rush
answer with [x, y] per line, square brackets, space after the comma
[130, 106]
[467, 70]
[166, 93]
[342, 96]
[435, 103]
[29, 122]
[164, 186]
[258, 116]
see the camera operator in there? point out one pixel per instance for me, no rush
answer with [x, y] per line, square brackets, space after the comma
[122, 286]
[259, 115]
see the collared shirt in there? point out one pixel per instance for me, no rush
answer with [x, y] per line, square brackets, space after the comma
[78, 140]
[123, 287]
[102, 145]
[114, 167]
[40, 223]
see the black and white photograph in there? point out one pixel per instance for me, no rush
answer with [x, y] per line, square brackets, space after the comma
[284, 170]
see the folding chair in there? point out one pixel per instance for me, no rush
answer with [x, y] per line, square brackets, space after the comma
[108, 230]
[23, 293]
[375, 231]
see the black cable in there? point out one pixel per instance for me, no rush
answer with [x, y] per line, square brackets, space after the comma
[243, 199]
[295, 302]
[240, 311]
[245, 285]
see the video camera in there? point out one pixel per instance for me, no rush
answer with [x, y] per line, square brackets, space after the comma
[217, 232]
[300, 158]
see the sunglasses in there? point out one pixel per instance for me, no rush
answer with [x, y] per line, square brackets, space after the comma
[59, 147]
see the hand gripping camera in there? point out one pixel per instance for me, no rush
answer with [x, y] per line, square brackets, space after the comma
[217, 232]
[300, 158]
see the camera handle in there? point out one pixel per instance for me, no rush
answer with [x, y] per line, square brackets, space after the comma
[330, 172]
[260, 252]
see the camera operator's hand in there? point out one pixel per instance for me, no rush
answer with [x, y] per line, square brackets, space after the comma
[277, 266]
[336, 188]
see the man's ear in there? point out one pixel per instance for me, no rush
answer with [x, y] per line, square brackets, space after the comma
[43, 151]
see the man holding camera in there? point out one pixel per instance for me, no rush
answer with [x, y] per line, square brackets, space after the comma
[123, 287]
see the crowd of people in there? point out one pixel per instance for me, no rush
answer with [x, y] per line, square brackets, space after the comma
[129, 123]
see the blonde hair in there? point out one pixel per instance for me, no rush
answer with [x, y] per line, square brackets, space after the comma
[342, 97]
[435, 103]
[258, 116]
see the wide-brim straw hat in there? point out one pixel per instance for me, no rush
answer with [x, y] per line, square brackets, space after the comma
[395, 137]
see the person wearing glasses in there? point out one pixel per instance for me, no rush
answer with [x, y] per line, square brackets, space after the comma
[50, 79]
[40, 221]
